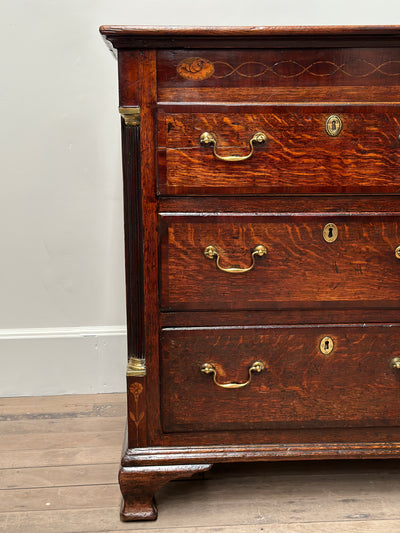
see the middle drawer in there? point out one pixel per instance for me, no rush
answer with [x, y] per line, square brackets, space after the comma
[278, 261]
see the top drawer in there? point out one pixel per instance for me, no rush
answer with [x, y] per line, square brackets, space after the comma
[314, 149]
[294, 74]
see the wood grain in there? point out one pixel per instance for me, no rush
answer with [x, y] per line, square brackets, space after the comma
[122, 37]
[77, 425]
[354, 386]
[289, 204]
[360, 526]
[59, 456]
[148, 73]
[52, 498]
[59, 476]
[284, 82]
[60, 441]
[355, 497]
[300, 269]
[300, 67]
[139, 485]
[63, 406]
[276, 317]
[325, 94]
[298, 156]
[133, 239]
[287, 450]
[134, 274]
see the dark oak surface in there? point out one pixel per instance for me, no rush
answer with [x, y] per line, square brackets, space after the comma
[183, 311]
[259, 67]
[273, 94]
[282, 204]
[241, 31]
[298, 156]
[245, 37]
[300, 268]
[300, 387]
[138, 486]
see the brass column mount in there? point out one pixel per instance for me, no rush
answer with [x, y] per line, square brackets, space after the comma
[131, 115]
[136, 367]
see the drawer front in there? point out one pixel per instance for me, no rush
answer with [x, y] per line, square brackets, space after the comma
[355, 385]
[310, 261]
[284, 74]
[302, 149]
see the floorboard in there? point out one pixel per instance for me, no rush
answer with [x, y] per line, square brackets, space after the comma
[59, 460]
[59, 456]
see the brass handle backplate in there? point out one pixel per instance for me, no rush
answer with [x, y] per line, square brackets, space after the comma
[397, 252]
[211, 252]
[208, 368]
[209, 139]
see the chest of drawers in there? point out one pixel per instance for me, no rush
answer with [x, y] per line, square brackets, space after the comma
[262, 229]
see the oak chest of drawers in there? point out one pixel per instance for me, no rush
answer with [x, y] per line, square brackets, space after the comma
[262, 228]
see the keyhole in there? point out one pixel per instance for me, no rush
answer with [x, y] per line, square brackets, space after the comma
[330, 232]
[326, 345]
[333, 125]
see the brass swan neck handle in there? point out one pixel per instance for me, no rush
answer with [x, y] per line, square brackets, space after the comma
[210, 139]
[212, 252]
[208, 368]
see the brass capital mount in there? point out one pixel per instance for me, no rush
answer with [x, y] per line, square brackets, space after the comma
[131, 115]
[136, 367]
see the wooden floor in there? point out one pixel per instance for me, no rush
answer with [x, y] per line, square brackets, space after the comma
[59, 459]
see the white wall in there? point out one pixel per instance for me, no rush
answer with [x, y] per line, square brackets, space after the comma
[62, 318]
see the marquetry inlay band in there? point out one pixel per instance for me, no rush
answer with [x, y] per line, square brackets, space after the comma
[197, 68]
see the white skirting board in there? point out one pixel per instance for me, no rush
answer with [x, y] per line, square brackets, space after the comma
[51, 361]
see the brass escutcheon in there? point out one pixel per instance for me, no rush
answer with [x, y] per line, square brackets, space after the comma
[395, 363]
[330, 232]
[333, 125]
[397, 252]
[326, 345]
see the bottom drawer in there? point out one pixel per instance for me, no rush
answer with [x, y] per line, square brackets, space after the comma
[309, 377]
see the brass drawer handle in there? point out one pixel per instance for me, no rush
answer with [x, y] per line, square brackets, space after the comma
[208, 368]
[397, 252]
[211, 252]
[209, 139]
